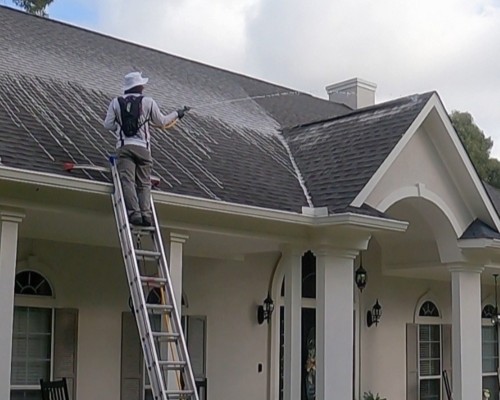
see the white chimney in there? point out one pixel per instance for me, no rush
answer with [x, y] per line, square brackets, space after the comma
[355, 93]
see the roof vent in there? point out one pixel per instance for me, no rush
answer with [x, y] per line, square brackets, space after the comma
[355, 93]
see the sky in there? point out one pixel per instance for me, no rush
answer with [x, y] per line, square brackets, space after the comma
[405, 47]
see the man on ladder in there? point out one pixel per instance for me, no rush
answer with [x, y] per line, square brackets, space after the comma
[129, 117]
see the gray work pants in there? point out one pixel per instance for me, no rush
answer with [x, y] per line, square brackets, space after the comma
[134, 166]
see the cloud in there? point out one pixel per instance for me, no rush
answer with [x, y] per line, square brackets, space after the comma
[208, 31]
[405, 47]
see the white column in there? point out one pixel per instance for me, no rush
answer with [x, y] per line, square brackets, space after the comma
[334, 323]
[466, 332]
[9, 222]
[177, 241]
[293, 325]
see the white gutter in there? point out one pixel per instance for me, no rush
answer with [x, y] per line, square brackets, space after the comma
[54, 180]
[171, 199]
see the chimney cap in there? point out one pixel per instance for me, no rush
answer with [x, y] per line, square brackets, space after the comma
[355, 93]
[349, 83]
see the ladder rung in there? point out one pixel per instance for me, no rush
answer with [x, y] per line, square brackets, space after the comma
[168, 336]
[137, 230]
[147, 253]
[153, 281]
[178, 394]
[172, 365]
[159, 307]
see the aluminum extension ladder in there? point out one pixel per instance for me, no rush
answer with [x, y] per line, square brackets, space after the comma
[165, 351]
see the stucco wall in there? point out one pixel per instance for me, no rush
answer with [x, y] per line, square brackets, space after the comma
[227, 293]
[383, 347]
[92, 280]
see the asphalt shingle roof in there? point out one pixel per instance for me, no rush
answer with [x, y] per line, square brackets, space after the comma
[57, 81]
[480, 230]
[337, 157]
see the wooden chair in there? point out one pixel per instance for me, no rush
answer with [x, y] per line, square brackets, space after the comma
[54, 390]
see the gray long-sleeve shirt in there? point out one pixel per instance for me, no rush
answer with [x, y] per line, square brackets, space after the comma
[150, 113]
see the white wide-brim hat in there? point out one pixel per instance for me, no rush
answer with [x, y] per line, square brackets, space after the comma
[134, 79]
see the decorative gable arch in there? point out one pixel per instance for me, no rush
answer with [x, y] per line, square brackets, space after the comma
[421, 191]
[430, 153]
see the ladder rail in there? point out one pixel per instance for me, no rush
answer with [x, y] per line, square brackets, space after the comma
[176, 313]
[135, 286]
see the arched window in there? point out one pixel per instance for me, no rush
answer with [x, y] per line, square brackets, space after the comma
[428, 309]
[488, 311]
[32, 283]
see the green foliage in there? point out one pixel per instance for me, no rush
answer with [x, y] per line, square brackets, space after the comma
[36, 7]
[478, 147]
[371, 396]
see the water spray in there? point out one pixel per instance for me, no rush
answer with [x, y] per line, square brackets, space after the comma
[247, 98]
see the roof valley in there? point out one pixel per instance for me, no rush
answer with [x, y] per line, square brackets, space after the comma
[298, 174]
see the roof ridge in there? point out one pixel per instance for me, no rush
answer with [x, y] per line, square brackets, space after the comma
[365, 109]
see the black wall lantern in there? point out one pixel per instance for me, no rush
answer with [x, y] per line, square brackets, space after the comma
[373, 315]
[265, 311]
[360, 275]
[360, 278]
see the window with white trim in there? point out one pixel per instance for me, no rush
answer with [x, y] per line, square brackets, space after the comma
[429, 354]
[489, 335]
[32, 336]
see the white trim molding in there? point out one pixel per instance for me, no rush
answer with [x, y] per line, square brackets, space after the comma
[421, 191]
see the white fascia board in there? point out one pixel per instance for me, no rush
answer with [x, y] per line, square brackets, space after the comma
[381, 171]
[87, 186]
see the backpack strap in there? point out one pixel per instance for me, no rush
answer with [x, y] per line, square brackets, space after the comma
[121, 104]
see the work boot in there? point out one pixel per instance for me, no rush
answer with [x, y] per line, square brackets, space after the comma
[135, 219]
[147, 221]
